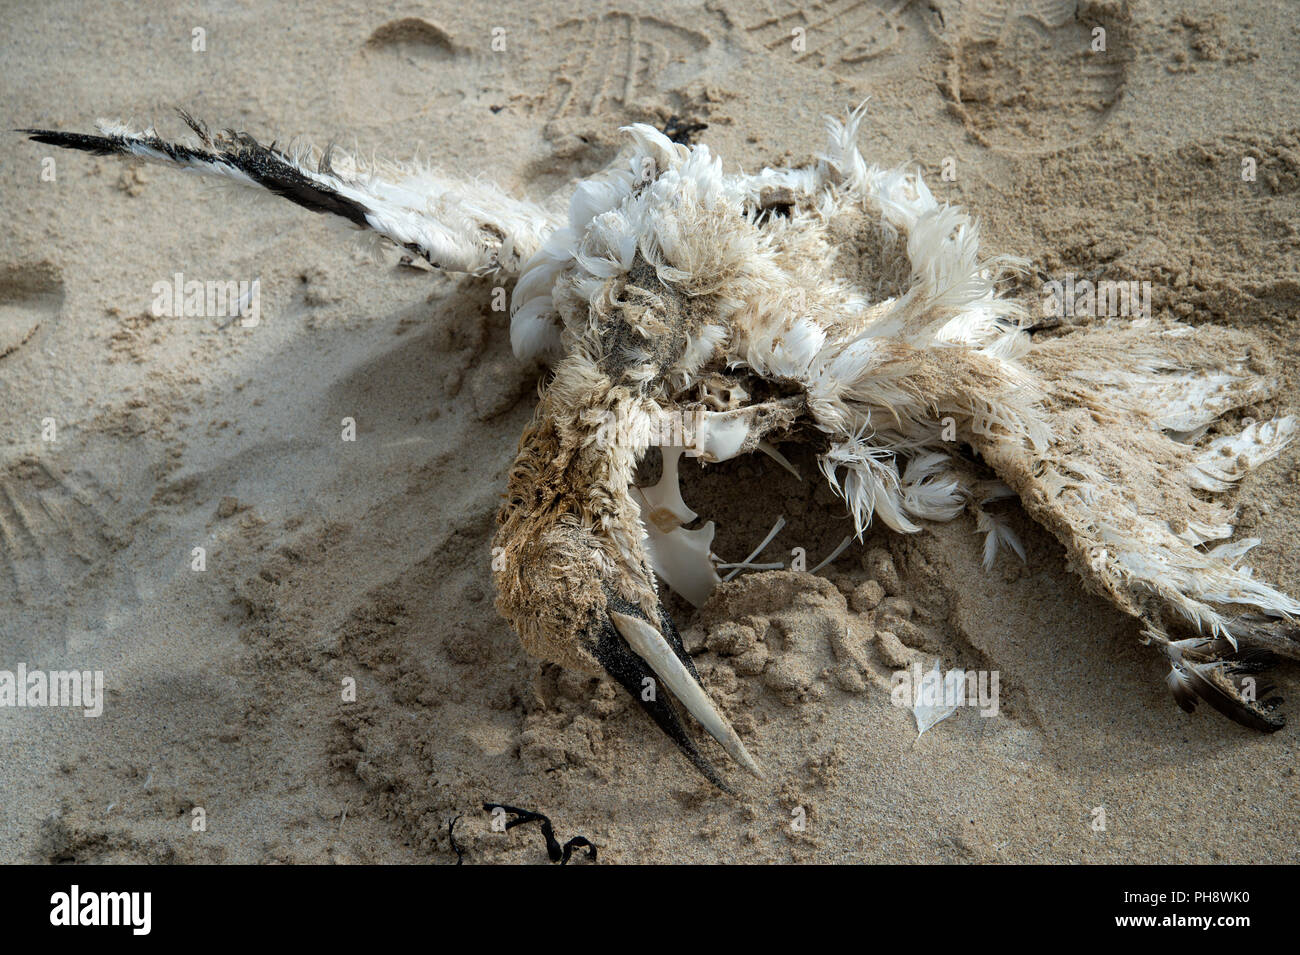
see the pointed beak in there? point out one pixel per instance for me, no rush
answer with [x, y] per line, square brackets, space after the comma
[646, 660]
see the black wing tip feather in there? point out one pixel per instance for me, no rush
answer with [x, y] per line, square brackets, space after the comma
[273, 170]
[99, 145]
[1192, 683]
[267, 165]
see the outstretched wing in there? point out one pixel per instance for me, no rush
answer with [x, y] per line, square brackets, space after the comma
[1128, 485]
[454, 225]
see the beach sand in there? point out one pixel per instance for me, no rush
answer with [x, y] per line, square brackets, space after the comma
[329, 561]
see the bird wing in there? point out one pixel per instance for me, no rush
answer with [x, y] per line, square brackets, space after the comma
[460, 226]
[1127, 481]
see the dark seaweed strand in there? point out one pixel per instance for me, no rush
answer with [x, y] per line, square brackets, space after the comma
[554, 851]
[455, 846]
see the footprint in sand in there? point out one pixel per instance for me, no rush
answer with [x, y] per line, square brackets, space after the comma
[835, 34]
[1028, 76]
[54, 530]
[616, 60]
[411, 67]
[31, 297]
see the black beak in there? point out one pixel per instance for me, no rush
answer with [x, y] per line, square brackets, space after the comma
[635, 676]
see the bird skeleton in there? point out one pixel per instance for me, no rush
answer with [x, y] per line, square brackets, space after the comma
[674, 291]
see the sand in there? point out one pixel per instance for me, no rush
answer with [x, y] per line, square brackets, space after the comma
[368, 561]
